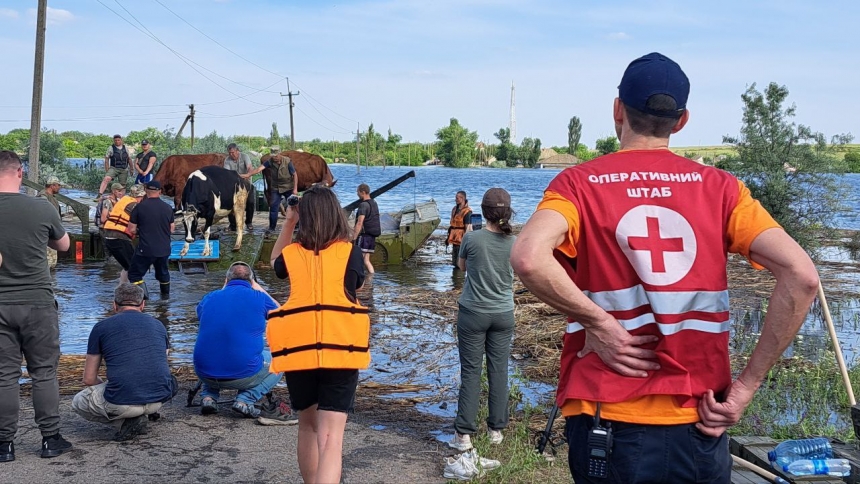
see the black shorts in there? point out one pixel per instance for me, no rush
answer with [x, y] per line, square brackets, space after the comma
[367, 243]
[121, 250]
[331, 390]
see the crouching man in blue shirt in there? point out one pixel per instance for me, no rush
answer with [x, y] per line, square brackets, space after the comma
[230, 349]
[134, 348]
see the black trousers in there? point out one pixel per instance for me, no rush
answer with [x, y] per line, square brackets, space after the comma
[140, 265]
[651, 453]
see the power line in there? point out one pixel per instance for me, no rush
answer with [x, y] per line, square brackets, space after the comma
[219, 43]
[320, 125]
[181, 57]
[326, 117]
[214, 115]
[134, 106]
[323, 105]
[254, 64]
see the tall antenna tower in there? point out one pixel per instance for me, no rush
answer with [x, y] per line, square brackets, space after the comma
[513, 125]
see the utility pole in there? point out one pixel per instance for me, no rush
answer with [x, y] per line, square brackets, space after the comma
[290, 95]
[513, 125]
[38, 77]
[357, 147]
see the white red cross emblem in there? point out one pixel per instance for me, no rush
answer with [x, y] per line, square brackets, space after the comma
[659, 243]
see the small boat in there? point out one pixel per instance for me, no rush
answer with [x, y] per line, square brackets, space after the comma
[405, 232]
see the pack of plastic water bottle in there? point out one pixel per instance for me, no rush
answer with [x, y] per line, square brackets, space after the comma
[807, 457]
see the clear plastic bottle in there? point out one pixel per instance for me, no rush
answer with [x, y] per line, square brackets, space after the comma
[820, 467]
[792, 450]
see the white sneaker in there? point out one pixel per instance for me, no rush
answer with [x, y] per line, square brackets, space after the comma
[461, 469]
[480, 462]
[496, 436]
[461, 442]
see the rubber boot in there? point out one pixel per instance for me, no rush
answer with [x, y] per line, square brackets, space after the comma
[145, 290]
[165, 289]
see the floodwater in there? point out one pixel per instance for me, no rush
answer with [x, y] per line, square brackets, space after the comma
[412, 345]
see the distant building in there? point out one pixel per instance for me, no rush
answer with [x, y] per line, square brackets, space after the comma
[547, 153]
[561, 161]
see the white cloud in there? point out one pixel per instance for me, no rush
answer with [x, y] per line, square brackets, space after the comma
[618, 36]
[56, 16]
[8, 13]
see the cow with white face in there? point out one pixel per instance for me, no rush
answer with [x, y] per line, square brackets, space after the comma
[213, 193]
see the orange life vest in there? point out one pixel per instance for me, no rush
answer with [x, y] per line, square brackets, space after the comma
[118, 219]
[457, 229]
[318, 326]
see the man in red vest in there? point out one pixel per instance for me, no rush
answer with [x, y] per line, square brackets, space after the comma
[632, 247]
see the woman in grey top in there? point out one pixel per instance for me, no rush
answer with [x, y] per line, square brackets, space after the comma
[485, 321]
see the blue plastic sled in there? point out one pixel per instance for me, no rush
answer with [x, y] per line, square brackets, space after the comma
[195, 251]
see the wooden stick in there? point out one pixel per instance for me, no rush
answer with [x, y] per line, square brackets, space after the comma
[758, 470]
[836, 347]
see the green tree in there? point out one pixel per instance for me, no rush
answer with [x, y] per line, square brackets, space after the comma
[787, 167]
[607, 145]
[456, 145]
[574, 132]
[506, 151]
[391, 145]
[852, 161]
[530, 151]
[584, 154]
[275, 137]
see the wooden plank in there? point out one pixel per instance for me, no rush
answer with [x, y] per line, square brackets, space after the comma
[841, 450]
[741, 475]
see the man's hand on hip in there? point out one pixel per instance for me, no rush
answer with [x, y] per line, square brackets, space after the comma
[718, 416]
[620, 350]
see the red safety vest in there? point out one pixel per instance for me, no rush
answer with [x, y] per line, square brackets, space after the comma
[652, 253]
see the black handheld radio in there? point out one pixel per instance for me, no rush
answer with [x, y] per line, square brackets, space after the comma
[599, 447]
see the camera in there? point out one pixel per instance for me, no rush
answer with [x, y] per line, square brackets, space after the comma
[292, 200]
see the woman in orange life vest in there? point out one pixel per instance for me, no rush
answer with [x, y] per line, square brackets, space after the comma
[461, 222]
[320, 336]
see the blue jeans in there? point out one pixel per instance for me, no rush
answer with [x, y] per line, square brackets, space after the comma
[139, 179]
[250, 389]
[275, 205]
[651, 453]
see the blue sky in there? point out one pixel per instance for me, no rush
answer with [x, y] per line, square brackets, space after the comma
[412, 65]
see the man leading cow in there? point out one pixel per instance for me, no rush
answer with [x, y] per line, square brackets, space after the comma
[241, 164]
[285, 182]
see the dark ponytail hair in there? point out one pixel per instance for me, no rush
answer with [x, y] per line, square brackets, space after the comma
[500, 216]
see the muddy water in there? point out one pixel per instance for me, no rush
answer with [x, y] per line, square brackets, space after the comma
[412, 345]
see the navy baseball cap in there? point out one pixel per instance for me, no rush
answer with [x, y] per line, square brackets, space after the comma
[654, 74]
[153, 185]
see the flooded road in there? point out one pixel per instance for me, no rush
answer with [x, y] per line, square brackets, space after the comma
[414, 344]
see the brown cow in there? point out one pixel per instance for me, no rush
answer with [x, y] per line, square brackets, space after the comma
[310, 168]
[175, 170]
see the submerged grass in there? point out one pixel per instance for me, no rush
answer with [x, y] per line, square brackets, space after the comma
[800, 397]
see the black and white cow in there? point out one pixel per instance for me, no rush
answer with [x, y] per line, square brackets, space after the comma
[213, 193]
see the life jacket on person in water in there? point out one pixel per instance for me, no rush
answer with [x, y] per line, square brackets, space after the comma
[318, 326]
[457, 228]
[118, 218]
